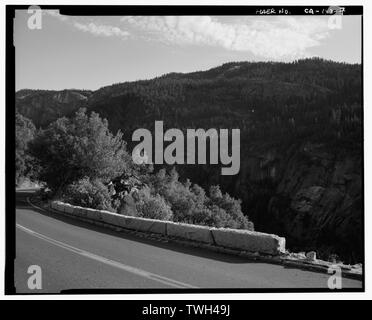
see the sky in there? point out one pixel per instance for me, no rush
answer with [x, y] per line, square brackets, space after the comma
[72, 52]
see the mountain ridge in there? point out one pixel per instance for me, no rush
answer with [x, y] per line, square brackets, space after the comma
[301, 138]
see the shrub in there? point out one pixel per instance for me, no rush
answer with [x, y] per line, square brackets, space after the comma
[232, 207]
[180, 197]
[153, 206]
[88, 193]
[213, 217]
[190, 204]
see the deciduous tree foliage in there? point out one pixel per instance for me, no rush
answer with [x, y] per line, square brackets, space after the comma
[83, 146]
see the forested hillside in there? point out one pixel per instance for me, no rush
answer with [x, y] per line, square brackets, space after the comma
[45, 106]
[301, 139]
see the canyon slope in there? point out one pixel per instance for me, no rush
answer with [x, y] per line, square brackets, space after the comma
[301, 128]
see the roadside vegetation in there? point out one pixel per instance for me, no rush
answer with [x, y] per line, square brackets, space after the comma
[78, 159]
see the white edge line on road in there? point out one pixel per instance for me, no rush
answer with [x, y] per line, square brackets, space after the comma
[136, 271]
[119, 265]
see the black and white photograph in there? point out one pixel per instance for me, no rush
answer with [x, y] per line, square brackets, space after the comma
[184, 149]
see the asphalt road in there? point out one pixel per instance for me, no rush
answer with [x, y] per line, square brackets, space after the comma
[76, 255]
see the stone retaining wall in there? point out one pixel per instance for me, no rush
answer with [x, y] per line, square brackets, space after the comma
[228, 238]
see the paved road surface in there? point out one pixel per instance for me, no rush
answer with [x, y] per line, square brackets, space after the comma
[77, 255]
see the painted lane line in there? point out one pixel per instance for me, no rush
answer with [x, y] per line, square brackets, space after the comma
[119, 265]
[108, 261]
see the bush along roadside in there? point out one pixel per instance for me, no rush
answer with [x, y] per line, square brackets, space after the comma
[162, 197]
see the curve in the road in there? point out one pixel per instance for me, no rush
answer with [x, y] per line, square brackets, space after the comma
[78, 255]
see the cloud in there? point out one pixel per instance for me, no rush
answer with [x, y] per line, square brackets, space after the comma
[276, 38]
[267, 37]
[91, 27]
[101, 30]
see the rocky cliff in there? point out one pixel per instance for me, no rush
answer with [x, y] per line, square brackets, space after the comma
[312, 196]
